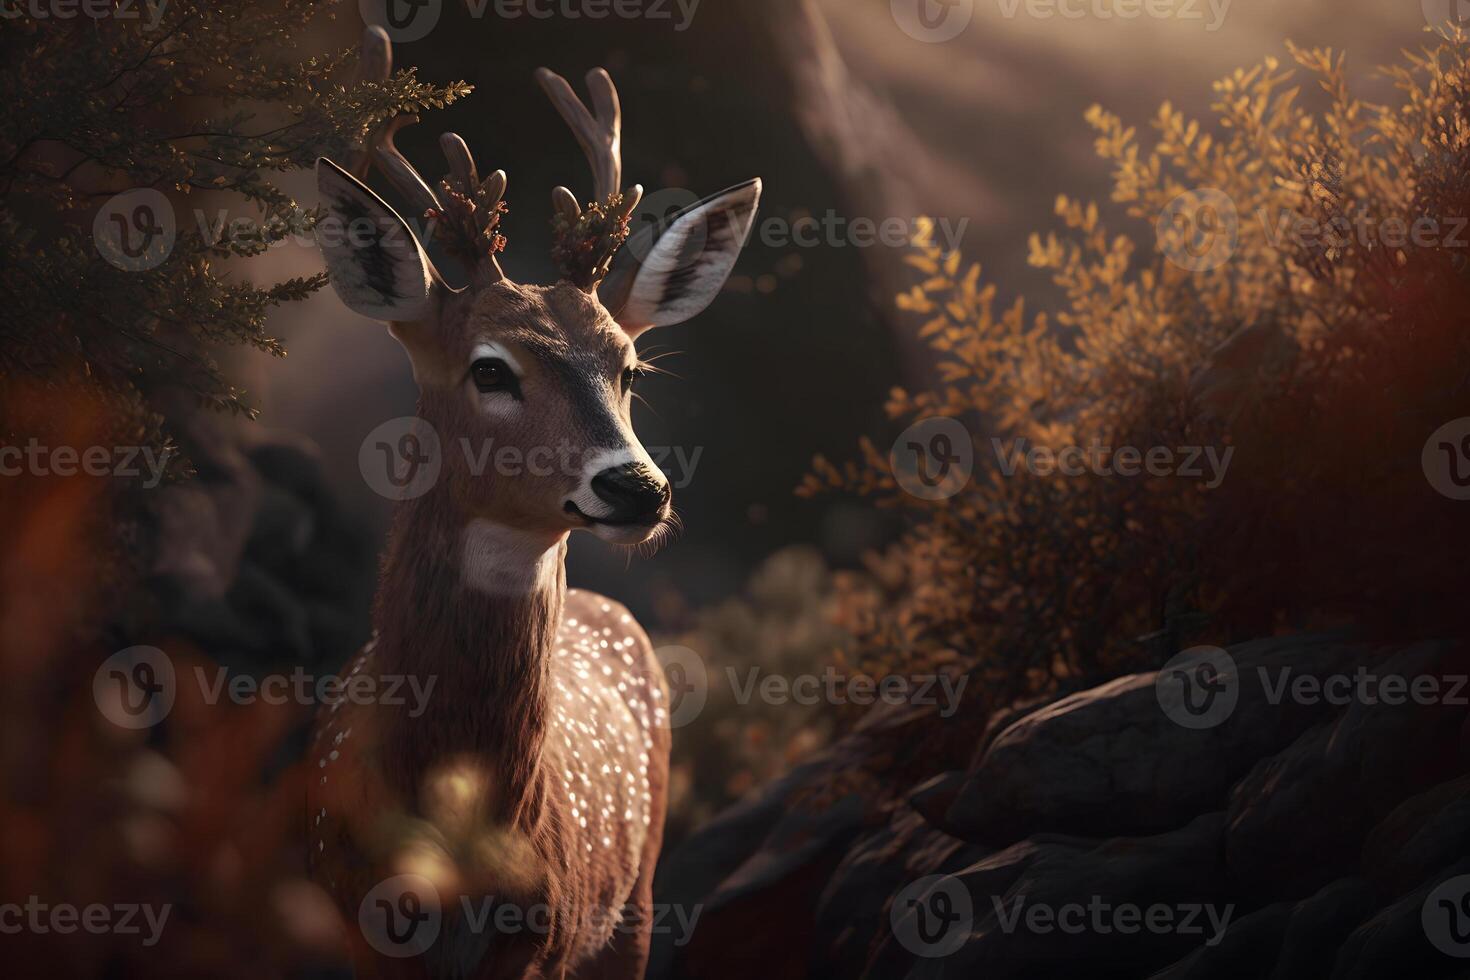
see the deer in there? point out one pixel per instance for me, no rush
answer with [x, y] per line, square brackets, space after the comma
[535, 779]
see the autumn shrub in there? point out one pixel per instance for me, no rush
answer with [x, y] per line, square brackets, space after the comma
[780, 626]
[1270, 298]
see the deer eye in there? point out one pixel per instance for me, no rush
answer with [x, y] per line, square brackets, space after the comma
[492, 374]
[630, 375]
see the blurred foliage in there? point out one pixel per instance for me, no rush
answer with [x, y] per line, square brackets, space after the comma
[206, 104]
[1325, 361]
[185, 98]
[179, 818]
[782, 626]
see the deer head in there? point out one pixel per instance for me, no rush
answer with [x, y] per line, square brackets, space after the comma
[543, 373]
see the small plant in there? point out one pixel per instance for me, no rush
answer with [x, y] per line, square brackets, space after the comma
[782, 627]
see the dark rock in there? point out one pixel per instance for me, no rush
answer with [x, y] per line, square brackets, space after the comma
[1083, 884]
[854, 907]
[1249, 948]
[1422, 835]
[934, 797]
[1326, 823]
[1298, 820]
[756, 872]
[1394, 943]
[258, 564]
[1283, 941]
[1110, 761]
[1318, 927]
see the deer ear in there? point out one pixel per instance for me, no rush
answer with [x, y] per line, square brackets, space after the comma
[375, 263]
[680, 266]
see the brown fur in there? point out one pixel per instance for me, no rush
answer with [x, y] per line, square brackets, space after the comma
[479, 794]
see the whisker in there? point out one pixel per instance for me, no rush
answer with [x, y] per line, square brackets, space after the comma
[648, 405]
[666, 531]
[648, 367]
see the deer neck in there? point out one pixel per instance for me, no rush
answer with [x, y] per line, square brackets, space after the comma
[475, 605]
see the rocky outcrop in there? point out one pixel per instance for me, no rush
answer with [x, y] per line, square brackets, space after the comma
[1314, 829]
[257, 563]
[1091, 763]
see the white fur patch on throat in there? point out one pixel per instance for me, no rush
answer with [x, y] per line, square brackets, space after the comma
[501, 560]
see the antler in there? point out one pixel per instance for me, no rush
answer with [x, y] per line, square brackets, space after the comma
[464, 214]
[587, 240]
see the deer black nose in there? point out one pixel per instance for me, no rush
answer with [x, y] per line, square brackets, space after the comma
[635, 492]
